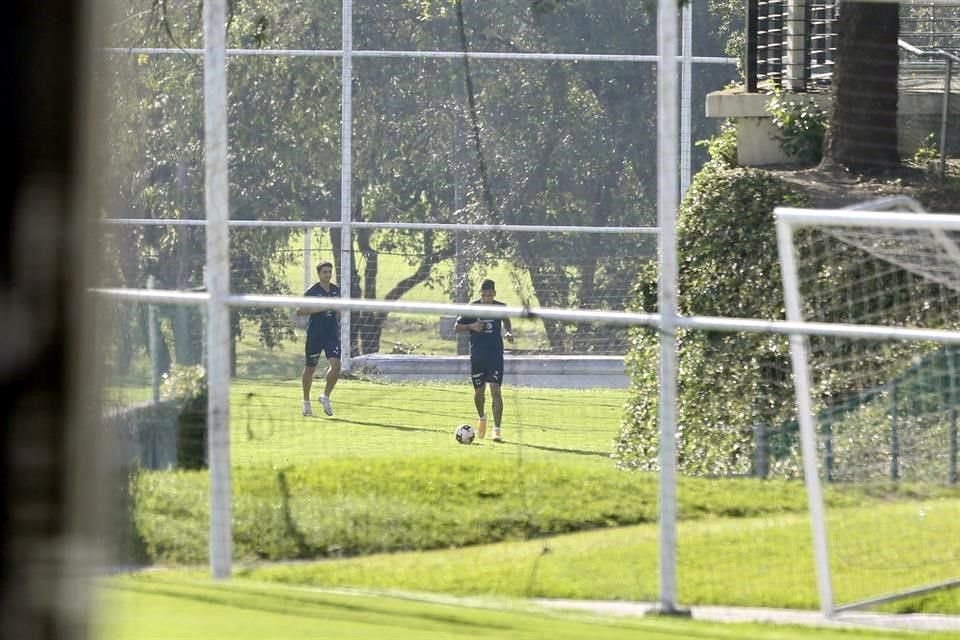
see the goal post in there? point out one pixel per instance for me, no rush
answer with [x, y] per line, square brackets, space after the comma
[874, 412]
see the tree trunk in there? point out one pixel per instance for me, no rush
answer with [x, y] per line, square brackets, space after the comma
[863, 123]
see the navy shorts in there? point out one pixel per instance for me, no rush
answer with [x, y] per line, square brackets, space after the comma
[486, 369]
[321, 344]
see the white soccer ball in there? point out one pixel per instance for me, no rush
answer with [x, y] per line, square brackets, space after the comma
[464, 434]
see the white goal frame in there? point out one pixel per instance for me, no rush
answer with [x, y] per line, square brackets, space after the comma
[895, 212]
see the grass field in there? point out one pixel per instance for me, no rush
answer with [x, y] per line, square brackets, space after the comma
[381, 497]
[163, 606]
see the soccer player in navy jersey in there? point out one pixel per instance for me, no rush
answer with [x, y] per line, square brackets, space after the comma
[486, 356]
[323, 337]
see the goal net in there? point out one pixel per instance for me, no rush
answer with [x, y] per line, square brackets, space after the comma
[877, 381]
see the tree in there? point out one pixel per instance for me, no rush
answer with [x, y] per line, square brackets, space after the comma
[863, 122]
[559, 143]
[728, 382]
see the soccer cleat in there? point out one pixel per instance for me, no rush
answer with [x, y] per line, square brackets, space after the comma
[307, 409]
[482, 427]
[496, 435]
[327, 409]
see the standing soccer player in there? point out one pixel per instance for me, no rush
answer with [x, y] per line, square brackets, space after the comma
[323, 336]
[486, 357]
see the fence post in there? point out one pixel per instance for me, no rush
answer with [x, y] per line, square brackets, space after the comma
[894, 438]
[761, 454]
[827, 452]
[952, 473]
[943, 117]
[154, 340]
[750, 63]
[795, 74]
[952, 433]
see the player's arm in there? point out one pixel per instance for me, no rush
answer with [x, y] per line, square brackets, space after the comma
[466, 325]
[300, 311]
[508, 330]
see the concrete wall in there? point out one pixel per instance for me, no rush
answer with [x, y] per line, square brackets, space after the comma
[534, 371]
[918, 115]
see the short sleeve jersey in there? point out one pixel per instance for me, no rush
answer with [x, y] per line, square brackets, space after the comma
[490, 340]
[323, 322]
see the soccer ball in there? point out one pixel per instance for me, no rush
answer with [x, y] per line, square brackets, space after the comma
[464, 434]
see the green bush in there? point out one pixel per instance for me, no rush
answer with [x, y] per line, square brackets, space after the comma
[722, 148]
[800, 126]
[731, 383]
[187, 386]
[728, 382]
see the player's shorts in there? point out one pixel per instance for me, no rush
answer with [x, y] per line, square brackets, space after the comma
[483, 370]
[321, 344]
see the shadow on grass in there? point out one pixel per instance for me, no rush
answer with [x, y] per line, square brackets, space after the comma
[318, 606]
[576, 452]
[384, 425]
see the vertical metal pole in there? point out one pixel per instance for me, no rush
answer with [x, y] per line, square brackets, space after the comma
[952, 470]
[346, 179]
[686, 89]
[307, 259]
[827, 431]
[218, 283]
[952, 435]
[761, 453]
[667, 198]
[943, 117]
[894, 438]
[154, 345]
[461, 267]
[808, 440]
[752, 50]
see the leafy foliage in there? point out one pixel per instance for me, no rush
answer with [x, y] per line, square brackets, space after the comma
[722, 147]
[184, 383]
[729, 383]
[562, 143]
[801, 126]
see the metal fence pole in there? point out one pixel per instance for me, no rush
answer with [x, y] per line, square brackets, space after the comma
[944, 115]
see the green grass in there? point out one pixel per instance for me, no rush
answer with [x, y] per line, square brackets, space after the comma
[168, 605]
[374, 418]
[771, 558]
[386, 497]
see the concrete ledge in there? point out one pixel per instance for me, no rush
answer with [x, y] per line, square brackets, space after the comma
[558, 372]
[918, 116]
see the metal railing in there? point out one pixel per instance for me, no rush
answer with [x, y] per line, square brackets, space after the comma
[791, 44]
[944, 61]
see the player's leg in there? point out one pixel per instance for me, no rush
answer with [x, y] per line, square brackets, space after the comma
[333, 374]
[477, 377]
[311, 358]
[306, 381]
[331, 349]
[495, 379]
[496, 398]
